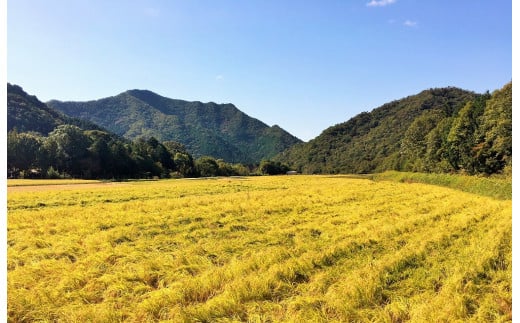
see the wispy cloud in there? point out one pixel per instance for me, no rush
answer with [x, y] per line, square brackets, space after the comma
[379, 3]
[219, 77]
[410, 23]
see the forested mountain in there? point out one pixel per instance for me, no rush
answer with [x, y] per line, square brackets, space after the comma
[26, 113]
[218, 130]
[437, 130]
[43, 142]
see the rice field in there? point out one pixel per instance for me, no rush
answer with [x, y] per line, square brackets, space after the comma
[257, 249]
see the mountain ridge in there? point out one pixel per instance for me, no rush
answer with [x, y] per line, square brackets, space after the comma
[219, 130]
[436, 130]
[28, 114]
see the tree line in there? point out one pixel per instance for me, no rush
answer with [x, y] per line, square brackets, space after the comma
[476, 140]
[441, 130]
[71, 152]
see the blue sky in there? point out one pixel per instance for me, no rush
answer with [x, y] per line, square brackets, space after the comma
[304, 65]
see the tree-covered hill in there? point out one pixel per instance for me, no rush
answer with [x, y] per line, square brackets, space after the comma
[44, 143]
[28, 114]
[218, 130]
[437, 130]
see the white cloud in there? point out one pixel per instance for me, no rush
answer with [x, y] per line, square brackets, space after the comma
[219, 77]
[379, 3]
[409, 23]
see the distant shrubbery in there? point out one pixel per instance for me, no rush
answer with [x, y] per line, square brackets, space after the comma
[207, 166]
[268, 167]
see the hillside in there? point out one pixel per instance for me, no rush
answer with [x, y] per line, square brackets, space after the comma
[437, 130]
[218, 130]
[26, 113]
[44, 143]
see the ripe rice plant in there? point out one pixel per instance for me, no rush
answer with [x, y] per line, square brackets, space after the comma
[259, 249]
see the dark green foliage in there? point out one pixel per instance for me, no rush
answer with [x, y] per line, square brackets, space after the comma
[438, 130]
[207, 166]
[268, 167]
[23, 151]
[414, 144]
[461, 139]
[495, 147]
[371, 141]
[437, 151]
[206, 129]
[464, 136]
[27, 114]
[68, 150]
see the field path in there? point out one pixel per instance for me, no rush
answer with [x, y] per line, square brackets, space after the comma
[55, 187]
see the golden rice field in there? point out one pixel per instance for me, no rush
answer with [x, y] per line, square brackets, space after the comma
[258, 249]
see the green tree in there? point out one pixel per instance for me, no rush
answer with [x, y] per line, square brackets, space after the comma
[71, 145]
[121, 164]
[175, 147]
[164, 157]
[414, 146]
[495, 148]
[241, 170]
[100, 156]
[23, 152]
[225, 169]
[206, 166]
[463, 135]
[436, 156]
[142, 150]
[184, 164]
[268, 167]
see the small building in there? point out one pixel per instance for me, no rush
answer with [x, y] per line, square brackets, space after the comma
[292, 172]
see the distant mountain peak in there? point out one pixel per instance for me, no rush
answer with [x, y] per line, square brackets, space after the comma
[218, 130]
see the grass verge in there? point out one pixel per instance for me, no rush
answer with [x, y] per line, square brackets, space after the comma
[495, 187]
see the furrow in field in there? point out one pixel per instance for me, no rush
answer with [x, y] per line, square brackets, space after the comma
[300, 268]
[414, 272]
